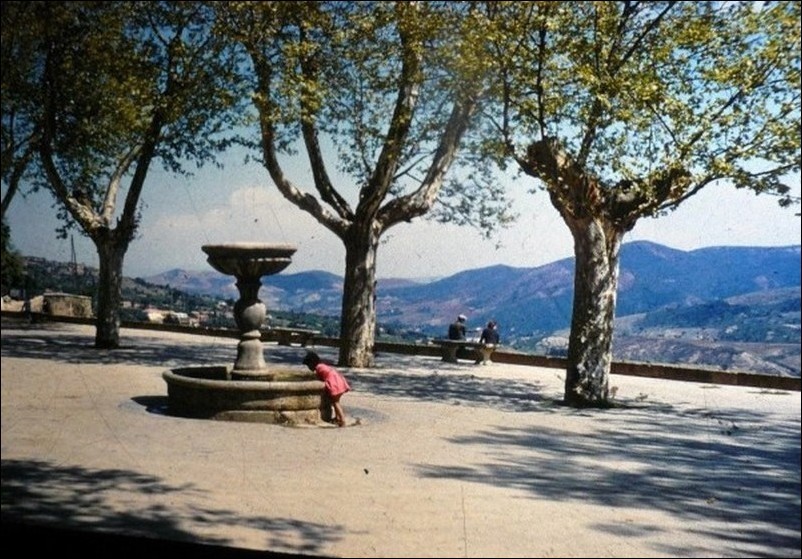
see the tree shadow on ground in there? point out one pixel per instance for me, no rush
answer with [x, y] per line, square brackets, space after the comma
[435, 382]
[455, 388]
[53, 342]
[742, 475]
[36, 493]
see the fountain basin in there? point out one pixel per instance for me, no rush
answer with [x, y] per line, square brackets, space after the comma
[249, 260]
[287, 396]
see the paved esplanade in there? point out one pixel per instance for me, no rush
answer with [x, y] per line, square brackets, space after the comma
[446, 461]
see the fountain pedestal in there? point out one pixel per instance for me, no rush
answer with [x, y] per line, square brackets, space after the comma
[251, 390]
[248, 262]
[249, 314]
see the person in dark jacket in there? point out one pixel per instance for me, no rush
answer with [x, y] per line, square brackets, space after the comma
[456, 330]
[490, 334]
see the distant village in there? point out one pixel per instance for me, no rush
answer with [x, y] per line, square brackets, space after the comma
[58, 289]
[65, 289]
[80, 306]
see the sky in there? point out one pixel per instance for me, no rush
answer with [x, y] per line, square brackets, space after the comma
[240, 203]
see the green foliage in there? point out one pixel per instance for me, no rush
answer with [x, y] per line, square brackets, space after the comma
[117, 87]
[622, 110]
[19, 98]
[327, 325]
[477, 198]
[113, 86]
[633, 90]
[375, 80]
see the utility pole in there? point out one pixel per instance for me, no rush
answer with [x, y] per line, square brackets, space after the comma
[74, 261]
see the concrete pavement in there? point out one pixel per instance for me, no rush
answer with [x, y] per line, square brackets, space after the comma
[447, 460]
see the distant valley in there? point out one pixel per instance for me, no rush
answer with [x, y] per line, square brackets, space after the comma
[729, 307]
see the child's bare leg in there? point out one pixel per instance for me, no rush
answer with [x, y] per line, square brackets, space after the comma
[338, 411]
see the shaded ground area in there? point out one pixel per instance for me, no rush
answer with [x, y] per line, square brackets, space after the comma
[448, 460]
[49, 505]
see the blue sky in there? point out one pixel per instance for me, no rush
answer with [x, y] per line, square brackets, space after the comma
[239, 203]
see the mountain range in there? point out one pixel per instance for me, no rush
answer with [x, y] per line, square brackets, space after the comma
[530, 301]
[676, 299]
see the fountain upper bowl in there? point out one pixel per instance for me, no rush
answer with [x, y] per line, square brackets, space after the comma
[252, 260]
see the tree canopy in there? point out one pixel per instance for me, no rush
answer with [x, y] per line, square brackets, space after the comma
[392, 86]
[633, 90]
[114, 87]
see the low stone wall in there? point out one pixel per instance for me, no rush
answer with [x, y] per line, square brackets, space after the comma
[712, 376]
[651, 370]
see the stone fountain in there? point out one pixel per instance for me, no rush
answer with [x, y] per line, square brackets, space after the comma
[250, 389]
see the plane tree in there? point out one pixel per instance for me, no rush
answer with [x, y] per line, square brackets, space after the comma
[624, 110]
[369, 91]
[122, 86]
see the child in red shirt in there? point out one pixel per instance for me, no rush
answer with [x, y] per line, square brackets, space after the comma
[336, 385]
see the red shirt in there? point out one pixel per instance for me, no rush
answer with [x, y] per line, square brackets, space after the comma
[334, 381]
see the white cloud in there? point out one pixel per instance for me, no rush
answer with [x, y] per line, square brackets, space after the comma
[250, 214]
[723, 216]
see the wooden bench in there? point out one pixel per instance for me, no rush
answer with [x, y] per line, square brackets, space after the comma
[288, 336]
[481, 351]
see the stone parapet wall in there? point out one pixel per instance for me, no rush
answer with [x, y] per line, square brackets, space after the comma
[651, 370]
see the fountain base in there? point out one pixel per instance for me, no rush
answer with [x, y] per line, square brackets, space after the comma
[286, 397]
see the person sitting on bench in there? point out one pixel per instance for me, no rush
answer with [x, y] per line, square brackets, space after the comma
[489, 336]
[456, 330]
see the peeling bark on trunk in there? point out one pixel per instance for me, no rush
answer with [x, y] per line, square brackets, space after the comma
[598, 216]
[597, 220]
[595, 290]
[358, 318]
[109, 293]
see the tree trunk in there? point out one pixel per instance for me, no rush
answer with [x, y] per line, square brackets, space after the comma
[358, 318]
[109, 292]
[596, 248]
